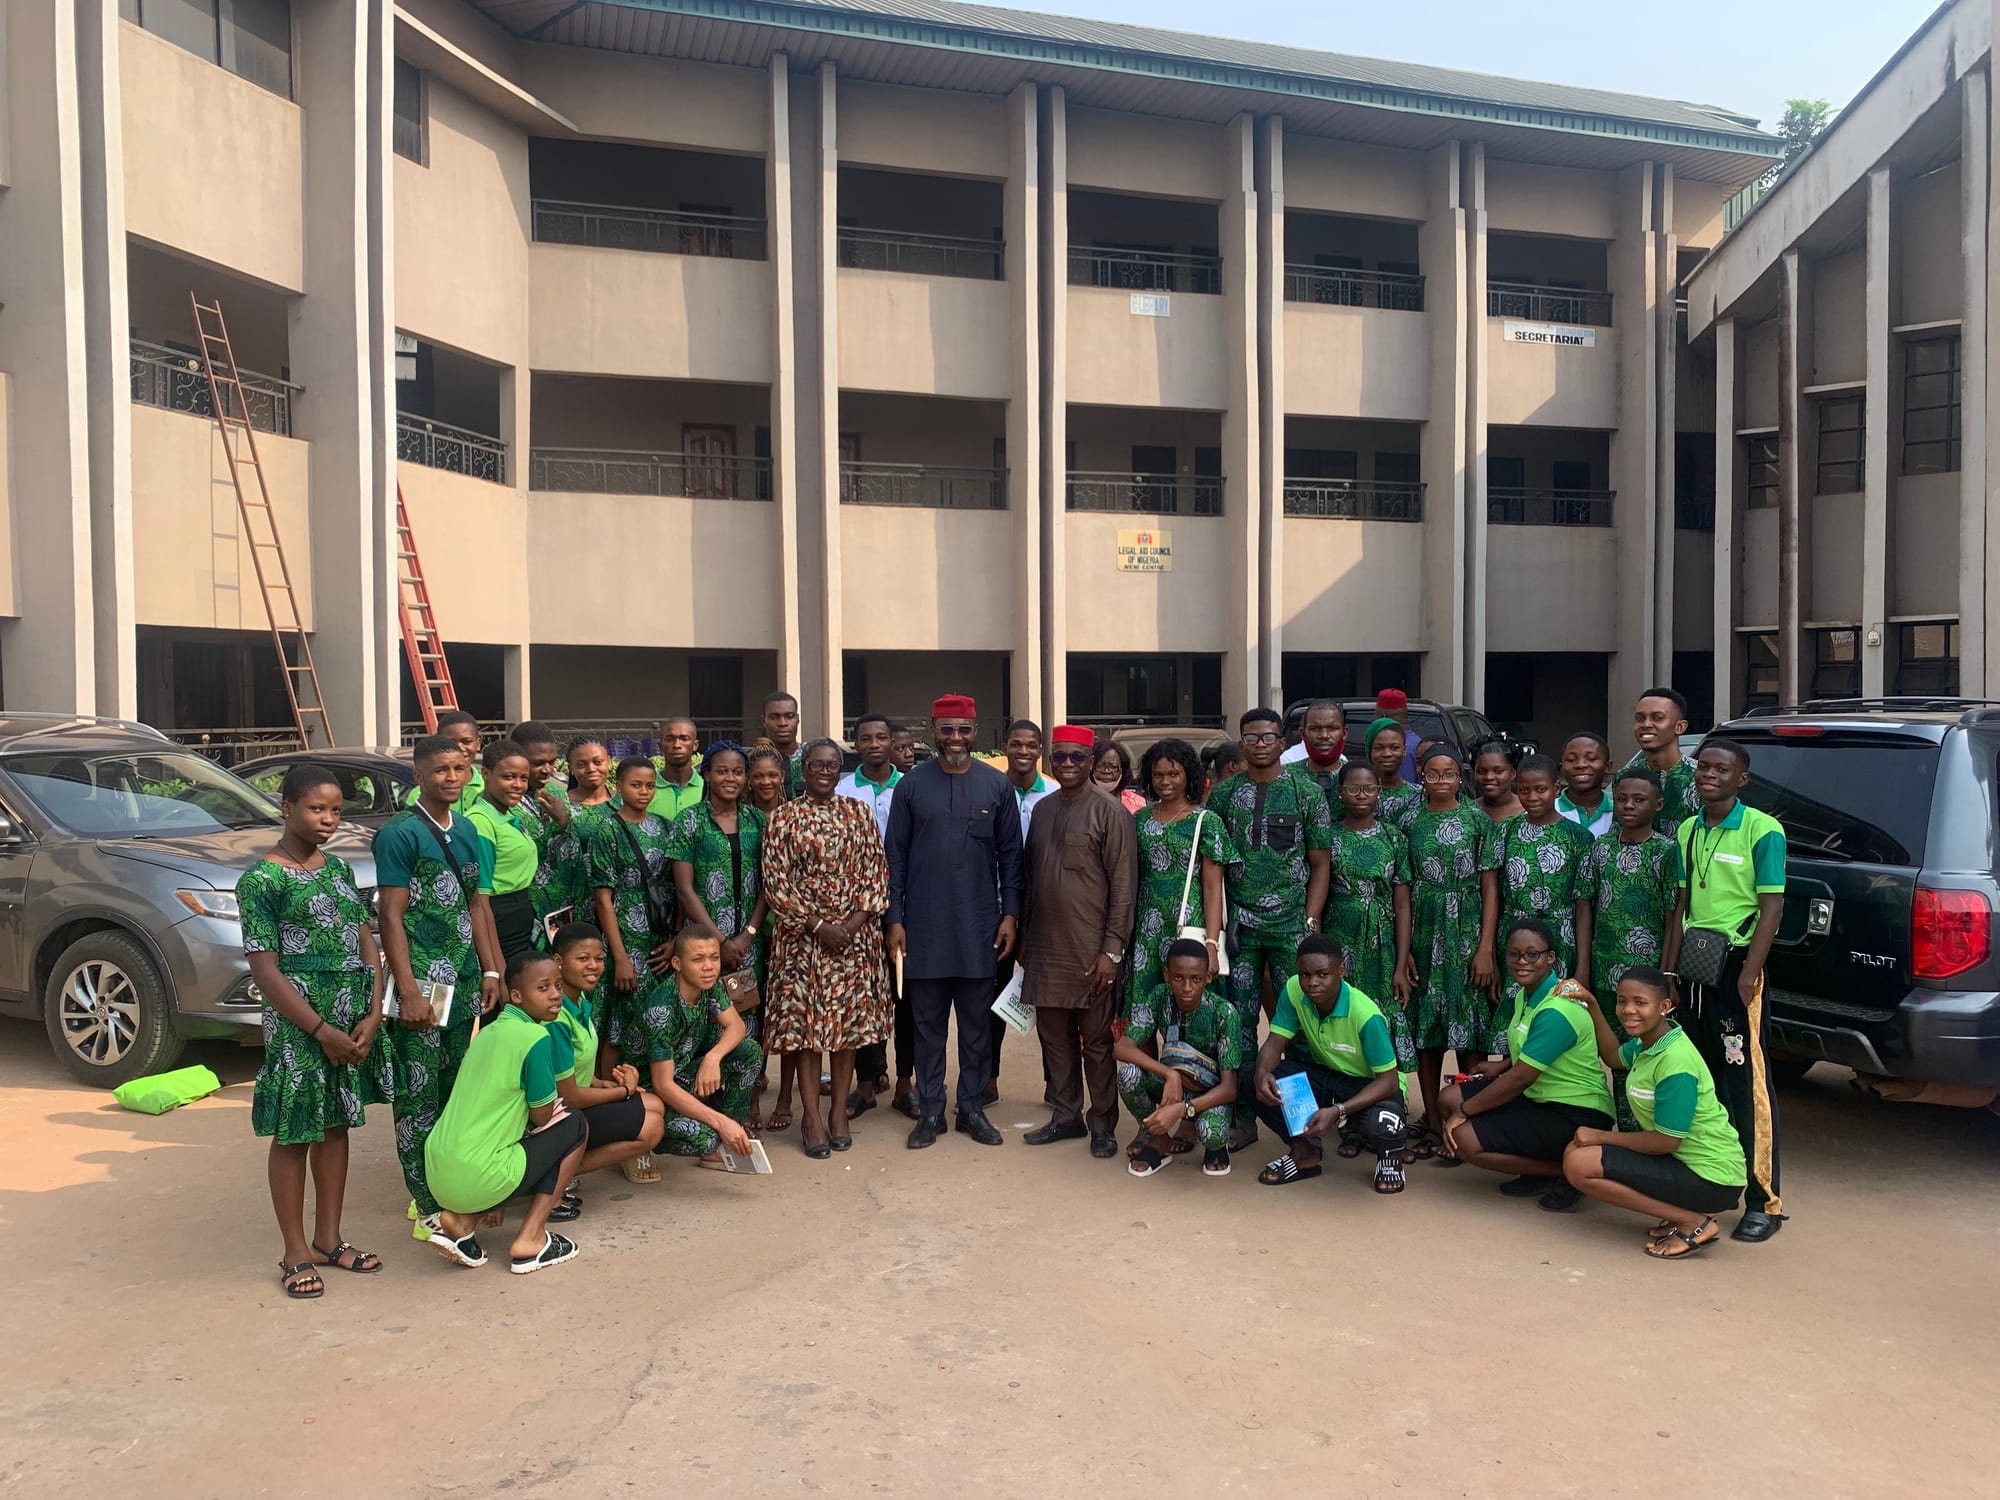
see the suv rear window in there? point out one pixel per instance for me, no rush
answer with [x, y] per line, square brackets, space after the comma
[1865, 797]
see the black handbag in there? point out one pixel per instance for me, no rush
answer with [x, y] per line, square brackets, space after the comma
[1704, 955]
[660, 905]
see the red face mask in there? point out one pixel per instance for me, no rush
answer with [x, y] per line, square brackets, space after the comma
[1333, 757]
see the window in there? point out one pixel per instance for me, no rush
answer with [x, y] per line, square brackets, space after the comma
[1927, 659]
[251, 38]
[1397, 468]
[1760, 677]
[1836, 663]
[1850, 796]
[1930, 405]
[1761, 462]
[411, 128]
[1842, 445]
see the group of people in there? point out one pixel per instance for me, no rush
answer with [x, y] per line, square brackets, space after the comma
[588, 970]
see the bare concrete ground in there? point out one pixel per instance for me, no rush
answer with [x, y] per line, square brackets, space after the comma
[1009, 1323]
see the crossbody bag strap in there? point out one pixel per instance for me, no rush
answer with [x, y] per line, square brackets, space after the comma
[437, 836]
[1194, 858]
[736, 870]
[638, 854]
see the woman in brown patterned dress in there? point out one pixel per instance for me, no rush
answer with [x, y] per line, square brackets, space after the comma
[827, 882]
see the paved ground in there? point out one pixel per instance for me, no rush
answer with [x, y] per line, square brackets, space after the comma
[1005, 1323]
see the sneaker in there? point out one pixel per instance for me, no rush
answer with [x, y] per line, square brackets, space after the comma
[424, 1226]
[1560, 1199]
[1215, 1164]
[1526, 1187]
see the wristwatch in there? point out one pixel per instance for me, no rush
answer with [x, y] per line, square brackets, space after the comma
[1188, 1105]
[1116, 958]
[751, 930]
[1312, 924]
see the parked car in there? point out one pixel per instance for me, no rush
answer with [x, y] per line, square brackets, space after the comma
[1137, 741]
[1886, 959]
[119, 855]
[1463, 728]
[374, 783]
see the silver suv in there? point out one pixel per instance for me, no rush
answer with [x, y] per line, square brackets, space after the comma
[119, 855]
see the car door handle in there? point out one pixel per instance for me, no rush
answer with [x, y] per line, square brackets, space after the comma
[1819, 916]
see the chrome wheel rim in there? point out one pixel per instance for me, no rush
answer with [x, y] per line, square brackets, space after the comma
[98, 1010]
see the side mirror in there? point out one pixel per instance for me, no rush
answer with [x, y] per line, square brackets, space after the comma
[11, 837]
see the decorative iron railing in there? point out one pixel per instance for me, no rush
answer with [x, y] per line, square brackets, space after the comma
[1144, 270]
[1509, 506]
[1355, 499]
[1146, 494]
[920, 254]
[611, 226]
[1548, 304]
[1394, 291]
[456, 450]
[174, 380]
[618, 471]
[926, 486]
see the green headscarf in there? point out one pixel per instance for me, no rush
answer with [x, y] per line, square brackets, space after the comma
[1375, 728]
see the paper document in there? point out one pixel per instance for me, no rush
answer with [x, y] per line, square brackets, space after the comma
[756, 1161]
[1009, 1007]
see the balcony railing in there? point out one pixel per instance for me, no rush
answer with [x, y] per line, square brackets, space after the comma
[456, 450]
[1394, 291]
[920, 254]
[1509, 506]
[1548, 304]
[1146, 494]
[926, 486]
[1694, 513]
[620, 471]
[1144, 270]
[1355, 499]
[174, 380]
[612, 226]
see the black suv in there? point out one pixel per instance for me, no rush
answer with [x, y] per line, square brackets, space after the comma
[1464, 728]
[1886, 959]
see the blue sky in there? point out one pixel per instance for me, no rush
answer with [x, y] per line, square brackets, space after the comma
[1748, 55]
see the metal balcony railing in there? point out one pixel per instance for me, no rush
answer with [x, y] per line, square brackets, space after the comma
[925, 486]
[920, 254]
[456, 450]
[618, 471]
[1394, 291]
[1144, 270]
[1694, 513]
[1548, 304]
[1355, 499]
[612, 226]
[174, 380]
[1510, 506]
[1146, 494]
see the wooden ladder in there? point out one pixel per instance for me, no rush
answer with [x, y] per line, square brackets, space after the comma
[422, 645]
[260, 527]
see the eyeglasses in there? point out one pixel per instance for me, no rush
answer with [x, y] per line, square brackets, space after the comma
[956, 731]
[1448, 774]
[1069, 757]
[1518, 956]
[1262, 739]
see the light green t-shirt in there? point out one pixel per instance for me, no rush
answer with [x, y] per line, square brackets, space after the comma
[1352, 1038]
[1673, 1092]
[514, 855]
[1557, 1036]
[1725, 869]
[474, 1158]
[670, 801]
[574, 1033]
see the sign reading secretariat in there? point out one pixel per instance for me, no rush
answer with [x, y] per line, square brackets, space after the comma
[1145, 552]
[1560, 334]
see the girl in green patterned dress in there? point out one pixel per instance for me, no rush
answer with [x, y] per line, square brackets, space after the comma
[1493, 778]
[1368, 906]
[1399, 801]
[633, 889]
[305, 931]
[564, 875]
[1455, 865]
[1166, 832]
[1541, 853]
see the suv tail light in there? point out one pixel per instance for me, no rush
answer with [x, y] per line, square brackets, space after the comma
[1950, 932]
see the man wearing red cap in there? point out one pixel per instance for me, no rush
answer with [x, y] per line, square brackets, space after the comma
[954, 846]
[1082, 871]
[1394, 703]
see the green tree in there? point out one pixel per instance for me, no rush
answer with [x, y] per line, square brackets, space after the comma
[1804, 121]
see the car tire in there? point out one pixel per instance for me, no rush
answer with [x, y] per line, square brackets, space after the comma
[109, 1014]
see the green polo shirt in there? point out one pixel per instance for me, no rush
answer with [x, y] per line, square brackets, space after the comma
[670, 801]
[474, 1158]
[1556, 1036]
[505, 845]
[1725, 869]
[574, 1036]
[1352, 1038]
[1673, 1092]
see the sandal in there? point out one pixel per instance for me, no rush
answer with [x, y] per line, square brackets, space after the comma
[1691, 1242]
[640, 1168]
[463, 1251]
[1284, 1172]
[1423, 1146]
[907, 1107]
[1146, 1161]
[555, 1250]
[361, 1262]
[859, 1103]
[1389, 1178]
[301, 1281]
[565, 1212]
[1215, 1164]
[1176, 1146]
[781, 1119]
[1349, 1148]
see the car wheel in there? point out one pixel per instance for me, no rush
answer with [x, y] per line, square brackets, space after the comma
[109, 1015]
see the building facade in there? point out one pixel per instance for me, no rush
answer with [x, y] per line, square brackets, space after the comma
[865, 349]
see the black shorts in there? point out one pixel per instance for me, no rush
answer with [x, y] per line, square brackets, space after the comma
[620, 1120]
[1529, 1127]
[1668, 1179]
[546, 1150]
[514, 922]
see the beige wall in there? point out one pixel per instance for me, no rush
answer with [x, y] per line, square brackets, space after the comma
[1694, 585]
[1698, 210]
[631, 312]
[904, 684]
[599, 684]
[1118, 359]
[1340, 177]
[1929, 252]
[1551, 387]
[927, 580]
[1926, 547]
[9, 586]
[1356, 362]
[923, 130]
[931, 335]
[1832, 588]
[1113, 611]
[1760, 568]
[1146, 154]
[192, 562]
[1551, 588]
[701, 106]
[904, 430]
[1759, 386]
[1352, 585]
[1839, 329]
[1528, 199]
[212, 162]
[589, 412]
[473, 538]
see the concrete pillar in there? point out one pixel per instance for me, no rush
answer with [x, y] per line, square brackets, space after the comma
[1729, 501]
[1795, 488]
[1242, 675]
[1979, 542]
[1470, 688]
[49, 651]
[1878, 565]
[1024, 268]
[515, 694]
[780, 247]
[811, 430]
[341, 347]
[1271, 406]
[1054, 145]
[1666, 370]
[1441, 246]
[107, 344]
[1635, 443]
[825, 698]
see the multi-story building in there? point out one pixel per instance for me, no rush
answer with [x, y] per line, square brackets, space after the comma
[872, 348]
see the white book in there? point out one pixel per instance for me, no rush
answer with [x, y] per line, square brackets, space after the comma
[756, 1161]
[440, 996]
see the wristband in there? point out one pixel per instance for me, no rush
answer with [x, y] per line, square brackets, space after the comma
[314, 1033]
[489, 973]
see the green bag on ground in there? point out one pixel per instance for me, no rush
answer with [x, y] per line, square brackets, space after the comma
[164, 1091]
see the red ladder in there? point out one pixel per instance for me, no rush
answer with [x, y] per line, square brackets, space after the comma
[423, 647]
[260, 527]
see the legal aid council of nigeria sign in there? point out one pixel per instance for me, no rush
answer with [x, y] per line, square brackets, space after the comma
[1562, 335]
[1145, 552]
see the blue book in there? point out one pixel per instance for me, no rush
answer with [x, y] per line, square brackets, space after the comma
[1295, 1094]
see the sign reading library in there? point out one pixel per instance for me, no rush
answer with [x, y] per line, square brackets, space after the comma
[1145, 552]
[1560, 334]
